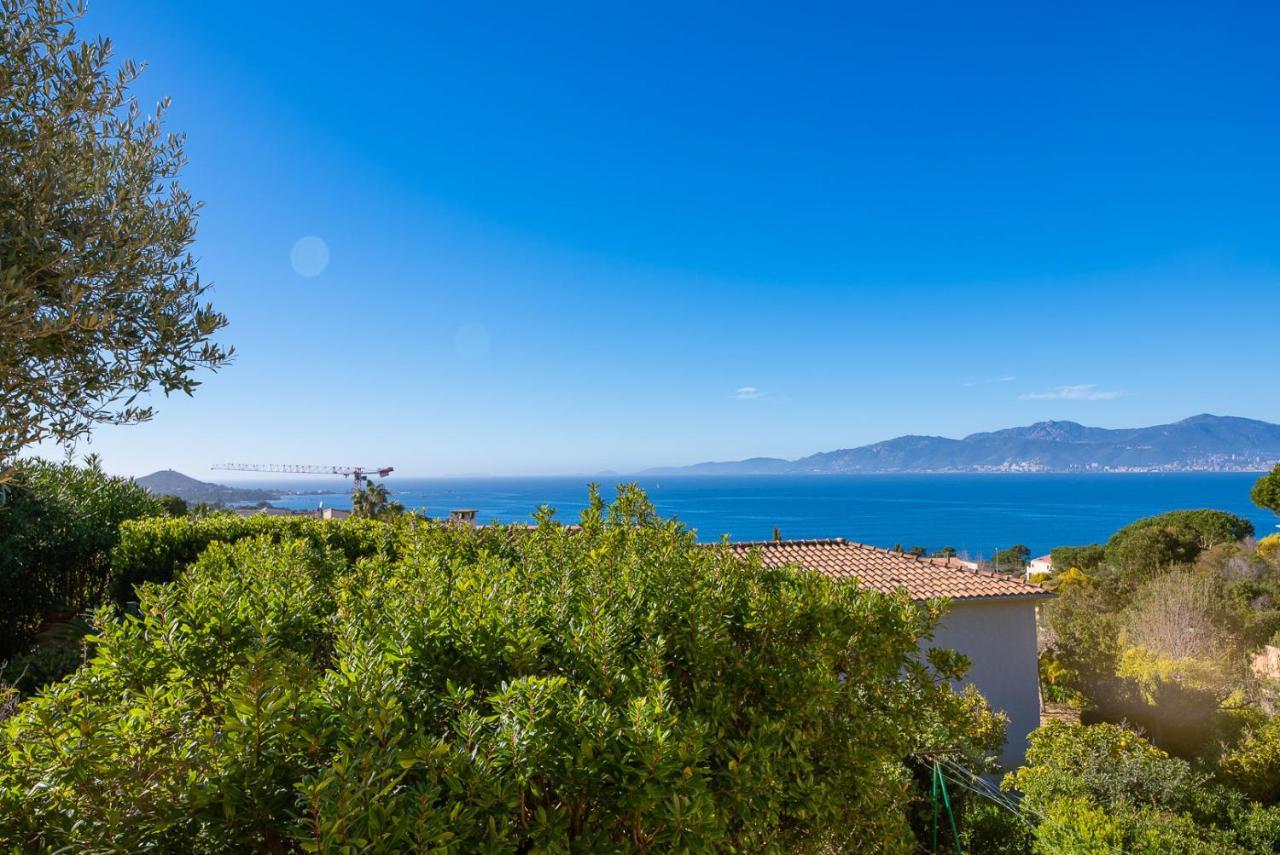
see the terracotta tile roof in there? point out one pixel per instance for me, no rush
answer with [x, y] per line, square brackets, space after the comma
[885, 570]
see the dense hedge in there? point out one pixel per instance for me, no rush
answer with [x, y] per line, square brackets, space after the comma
[614, 689]
[153, 550]
[58, 524]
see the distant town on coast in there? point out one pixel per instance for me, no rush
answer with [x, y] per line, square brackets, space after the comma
[1203, 443]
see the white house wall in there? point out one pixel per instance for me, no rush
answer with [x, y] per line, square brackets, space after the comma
[999, 637]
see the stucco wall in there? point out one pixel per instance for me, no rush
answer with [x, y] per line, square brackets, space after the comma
[1000, 640]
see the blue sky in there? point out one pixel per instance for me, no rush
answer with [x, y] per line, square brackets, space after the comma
[566, 238]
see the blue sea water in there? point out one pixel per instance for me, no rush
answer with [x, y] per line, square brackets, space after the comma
[974, 513]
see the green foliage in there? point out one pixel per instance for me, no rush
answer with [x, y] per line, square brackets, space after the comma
[1206, 526]
[991, 830]
[1012, 560]
[44, 663]
[153, 550]
[101, 296]
[618, 688]
[58, 526]
[1058, 682]
[1084, 558]
[174, 506]
[1266, 491]
[1269, 549]
[1103, 788]
[1107, 764]
[1151, 549]
[1164, 655]
[374, 502]
[1156, 635]
[1085, 631]
[1253, 764]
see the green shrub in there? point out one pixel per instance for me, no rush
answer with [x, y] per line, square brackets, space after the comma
[1253, 764]
[1102, 787]
[58, 524]
[155, 549]
[1109, 765]
[614, 689]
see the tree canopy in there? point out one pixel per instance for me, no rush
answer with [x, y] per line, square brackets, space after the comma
[1205, 525]
[100, 301]
[1266, 492]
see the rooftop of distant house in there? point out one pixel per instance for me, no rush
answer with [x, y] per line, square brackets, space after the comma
[889, 570]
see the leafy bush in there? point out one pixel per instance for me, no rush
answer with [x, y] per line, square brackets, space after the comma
[1269, 548]
[1109, 765]
[614, 689]
[154, 550]
[1085, 632]
[1253, 765]
[1103, 788]
[58, 524]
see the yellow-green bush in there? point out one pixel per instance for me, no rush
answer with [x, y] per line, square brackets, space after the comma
[1253, 764]
[613, 689]
[1269, 548]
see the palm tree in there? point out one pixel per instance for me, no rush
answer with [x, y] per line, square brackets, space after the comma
[374, 502]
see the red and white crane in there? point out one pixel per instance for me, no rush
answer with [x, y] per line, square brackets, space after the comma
[359, 475]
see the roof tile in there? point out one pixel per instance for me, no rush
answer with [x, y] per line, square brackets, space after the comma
[885, 570]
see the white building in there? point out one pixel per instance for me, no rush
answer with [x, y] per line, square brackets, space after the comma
[992, 619]
[1043, 564]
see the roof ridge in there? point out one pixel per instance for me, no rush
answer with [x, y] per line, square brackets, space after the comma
[922, 576]
[806, 541]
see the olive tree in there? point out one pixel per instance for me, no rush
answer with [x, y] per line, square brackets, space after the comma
[100, 300]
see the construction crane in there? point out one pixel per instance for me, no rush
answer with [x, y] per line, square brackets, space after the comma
[359, 475]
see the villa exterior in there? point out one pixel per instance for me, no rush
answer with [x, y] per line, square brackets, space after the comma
[992, 619]
[1043, 564]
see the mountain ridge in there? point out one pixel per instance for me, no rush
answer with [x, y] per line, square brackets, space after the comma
[174, 483]
[1200, 443]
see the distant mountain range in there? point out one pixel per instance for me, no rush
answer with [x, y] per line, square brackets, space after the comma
[1201, 443]
[171, 483]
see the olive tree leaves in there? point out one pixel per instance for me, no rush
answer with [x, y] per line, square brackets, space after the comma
[100, 301]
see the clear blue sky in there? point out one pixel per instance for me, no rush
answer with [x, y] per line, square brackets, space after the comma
[565, 238]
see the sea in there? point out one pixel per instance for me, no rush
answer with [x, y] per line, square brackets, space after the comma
[975, 513]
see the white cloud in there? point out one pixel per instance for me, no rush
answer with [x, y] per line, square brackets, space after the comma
[1079, 392]
[1003, 378]
[746, 393]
